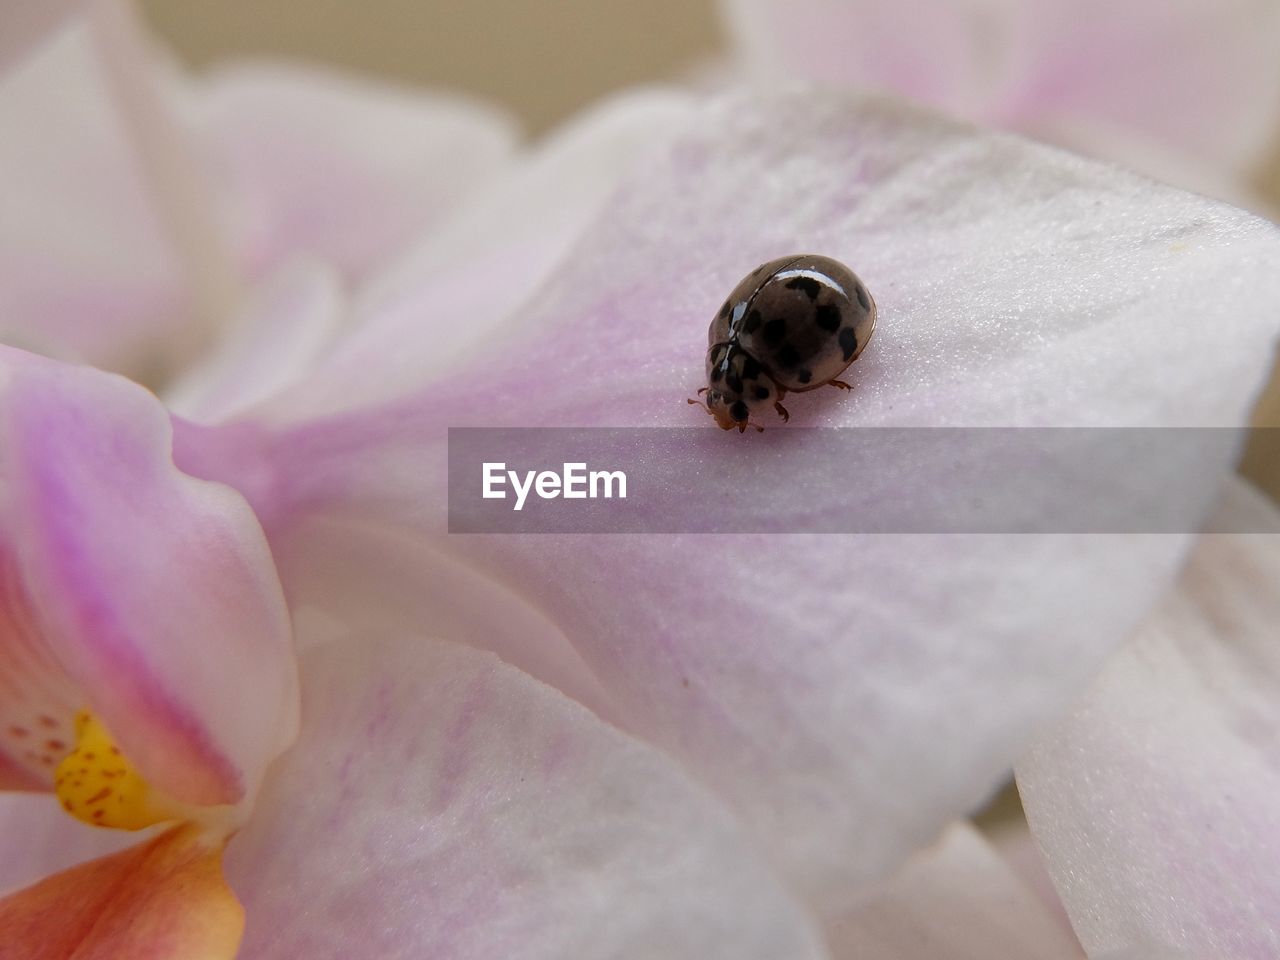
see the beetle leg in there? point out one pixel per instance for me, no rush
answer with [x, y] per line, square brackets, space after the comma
[702, 391]
[840, 383]
[782, 411]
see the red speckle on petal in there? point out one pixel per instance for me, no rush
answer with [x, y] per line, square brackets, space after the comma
[47, 721]
[55, 745]
[19, 731]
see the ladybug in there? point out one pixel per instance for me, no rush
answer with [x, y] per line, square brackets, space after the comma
[792, 324]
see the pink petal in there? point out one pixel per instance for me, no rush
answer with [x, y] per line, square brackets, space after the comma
[300, 163]
[287, 324]
[934, 53]
[86, 271]
[338, 167]
[1188, 90]
[518, 230]
[27, 25]
[954, 901]
[152, 597]
[847, 695]
[1200, 77]
[439, 803]
[1155, 801]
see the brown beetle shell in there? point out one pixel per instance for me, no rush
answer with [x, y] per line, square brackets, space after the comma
[803, 319]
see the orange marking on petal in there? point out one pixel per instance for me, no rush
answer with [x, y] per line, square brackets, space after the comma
[165, 899]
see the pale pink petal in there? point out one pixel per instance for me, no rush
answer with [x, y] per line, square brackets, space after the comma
[465, 277]
[1200, 78]
[299, 163]
[936, 53]
[86, 272]
[412, 584]
[442, 804]
[25, 25]
[1155, 800]
[287, 324]
[150, 595]
[955, 901]
[40, 839]
[1187, 90]
[341, 168]
[848, 696]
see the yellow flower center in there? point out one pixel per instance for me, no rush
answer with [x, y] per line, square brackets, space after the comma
[96, 783]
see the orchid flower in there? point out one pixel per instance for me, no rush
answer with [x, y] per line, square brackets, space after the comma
[1187, 92]
[608, 746]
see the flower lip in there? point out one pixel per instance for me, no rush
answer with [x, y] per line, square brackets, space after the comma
[157, 641]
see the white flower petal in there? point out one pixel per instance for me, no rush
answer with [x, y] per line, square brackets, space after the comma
[442, 804]
[1155, 801]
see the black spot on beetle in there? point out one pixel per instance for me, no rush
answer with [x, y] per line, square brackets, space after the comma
[787, 356]
[804, 376]
[775, 330]
[810, 286]
[762, 393]
[733, 381]
[738, 411]
[750, 367]
[827, 316]
[848, 342]
[753, 322]
[862, 296]
[716, 374]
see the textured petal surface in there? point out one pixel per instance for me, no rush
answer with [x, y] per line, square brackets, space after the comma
[1155, 801]
[442, 804]
[164, 899]
[816, 682]
[1187, 90]
[956, 901]
[153, 594]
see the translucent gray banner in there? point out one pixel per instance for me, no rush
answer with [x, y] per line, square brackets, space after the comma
[819, 480]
